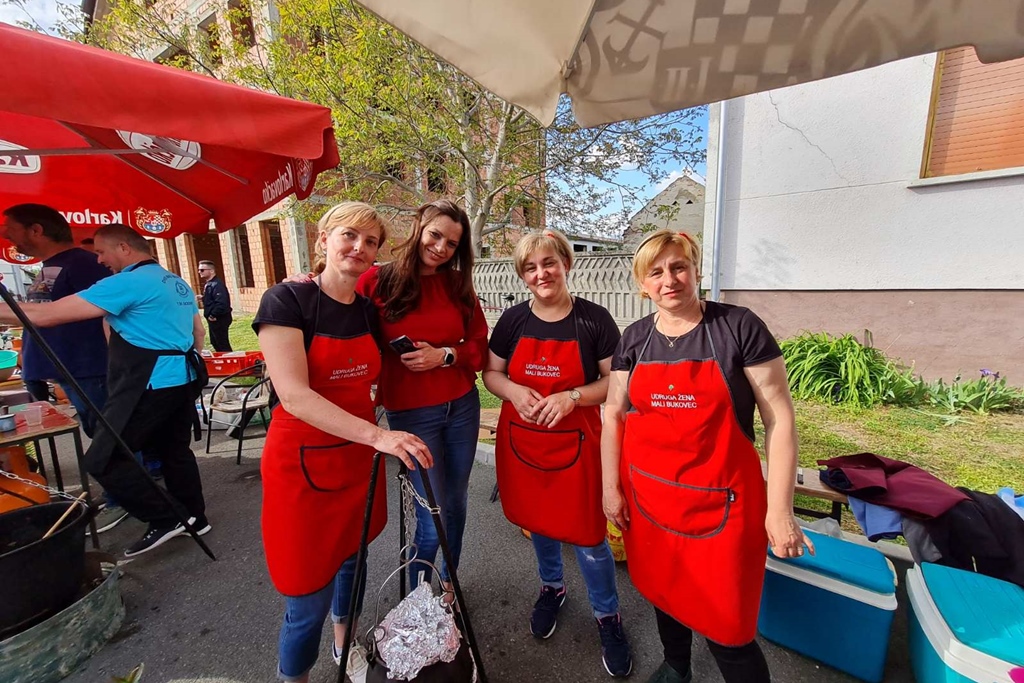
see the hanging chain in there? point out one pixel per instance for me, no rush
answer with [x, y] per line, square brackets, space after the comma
[49, 489]
[410, 498]
[410, 510]
[411, 491]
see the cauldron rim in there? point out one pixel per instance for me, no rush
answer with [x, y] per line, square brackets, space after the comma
[65, 528]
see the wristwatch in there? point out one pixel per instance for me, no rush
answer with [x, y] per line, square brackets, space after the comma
[449, 357]
[575, 396]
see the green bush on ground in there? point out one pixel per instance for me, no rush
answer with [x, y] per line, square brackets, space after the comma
[843, 371]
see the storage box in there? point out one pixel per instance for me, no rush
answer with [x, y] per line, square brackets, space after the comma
[963, 626]
[836, 606]
[223, 363]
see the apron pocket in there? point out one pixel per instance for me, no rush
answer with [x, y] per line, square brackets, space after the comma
[545, 449]
[332, 468]
[680, 509]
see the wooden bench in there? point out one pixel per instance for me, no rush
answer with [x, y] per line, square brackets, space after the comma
[808, 482]
[488, 422]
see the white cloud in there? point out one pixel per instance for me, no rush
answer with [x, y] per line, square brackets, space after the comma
[668, 180]
[45, 13]
[675, 175]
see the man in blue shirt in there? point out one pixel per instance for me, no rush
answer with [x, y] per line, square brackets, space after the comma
[155, 375]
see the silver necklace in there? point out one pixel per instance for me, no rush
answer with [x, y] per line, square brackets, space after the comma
[671, 340]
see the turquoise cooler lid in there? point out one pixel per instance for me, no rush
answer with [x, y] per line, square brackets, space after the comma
[848, 562]
[983, 613]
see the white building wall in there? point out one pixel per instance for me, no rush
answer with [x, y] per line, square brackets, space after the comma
[819, 197]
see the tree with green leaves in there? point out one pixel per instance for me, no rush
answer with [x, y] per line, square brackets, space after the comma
[410, 127]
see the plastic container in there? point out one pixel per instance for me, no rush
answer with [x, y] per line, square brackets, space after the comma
[955, 639]
[1016, 503]
[221, 364]
[835, 607]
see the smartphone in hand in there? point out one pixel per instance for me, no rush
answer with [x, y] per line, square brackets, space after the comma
[402, 345]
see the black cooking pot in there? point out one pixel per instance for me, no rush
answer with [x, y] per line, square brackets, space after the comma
[39, 577]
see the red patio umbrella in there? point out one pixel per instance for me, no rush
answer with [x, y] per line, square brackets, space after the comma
[105, 138]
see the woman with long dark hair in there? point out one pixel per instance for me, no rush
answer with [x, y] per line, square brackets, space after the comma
[428, 386]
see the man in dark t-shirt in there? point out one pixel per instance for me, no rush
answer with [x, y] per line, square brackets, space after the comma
[40, 231]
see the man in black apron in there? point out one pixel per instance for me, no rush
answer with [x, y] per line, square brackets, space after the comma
[155, 375]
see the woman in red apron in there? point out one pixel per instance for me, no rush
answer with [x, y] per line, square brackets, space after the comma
[318, 340]
[549, 362]
[681, 475]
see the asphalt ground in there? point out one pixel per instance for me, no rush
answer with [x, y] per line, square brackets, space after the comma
[193, 620]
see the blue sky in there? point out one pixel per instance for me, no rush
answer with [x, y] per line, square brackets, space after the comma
[634, 178]
[619, 205]
[43, 12]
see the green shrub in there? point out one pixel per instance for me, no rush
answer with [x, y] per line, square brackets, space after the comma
[988, 393]
[841, 370]
[844, 371]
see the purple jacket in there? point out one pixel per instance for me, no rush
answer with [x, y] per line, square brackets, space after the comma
[891, 483]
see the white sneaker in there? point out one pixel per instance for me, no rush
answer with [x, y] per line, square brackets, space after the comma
[357, 665]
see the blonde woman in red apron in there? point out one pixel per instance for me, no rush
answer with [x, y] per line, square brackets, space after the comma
[318, 340]
[681, 476]
[549, 362]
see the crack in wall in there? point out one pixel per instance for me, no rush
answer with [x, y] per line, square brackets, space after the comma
[802, 134]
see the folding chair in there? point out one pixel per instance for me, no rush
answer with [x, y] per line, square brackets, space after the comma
[232, 398]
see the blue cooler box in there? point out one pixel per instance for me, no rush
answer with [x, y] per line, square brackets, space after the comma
[964, 626]
[836, 606]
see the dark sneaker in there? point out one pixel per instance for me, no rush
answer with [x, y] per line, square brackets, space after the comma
[154, 537]
[666, 674]
[108, 517]
[614, 647]
[544, 619]
[201, 526]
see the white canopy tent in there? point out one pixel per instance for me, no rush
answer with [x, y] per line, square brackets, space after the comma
[623, 59]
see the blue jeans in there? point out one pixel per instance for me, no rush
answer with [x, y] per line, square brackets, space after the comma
[449, 430]
[299, 644]
[596, 564]
[96, 389]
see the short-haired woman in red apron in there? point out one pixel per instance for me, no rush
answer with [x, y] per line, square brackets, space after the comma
[681, 476]
[549, 362]
[318, 341]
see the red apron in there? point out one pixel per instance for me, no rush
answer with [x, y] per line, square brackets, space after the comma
[550, 479]
[697, 504]
[315, 484]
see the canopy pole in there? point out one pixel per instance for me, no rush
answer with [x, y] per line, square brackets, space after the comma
[30, 327]
[716, 243]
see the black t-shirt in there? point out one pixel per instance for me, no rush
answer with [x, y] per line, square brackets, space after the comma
[594, 328]
[303, 306]
[740, 339]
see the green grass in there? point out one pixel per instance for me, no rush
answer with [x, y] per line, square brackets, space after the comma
[982, 452]
[241, 335]
[487, 399]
